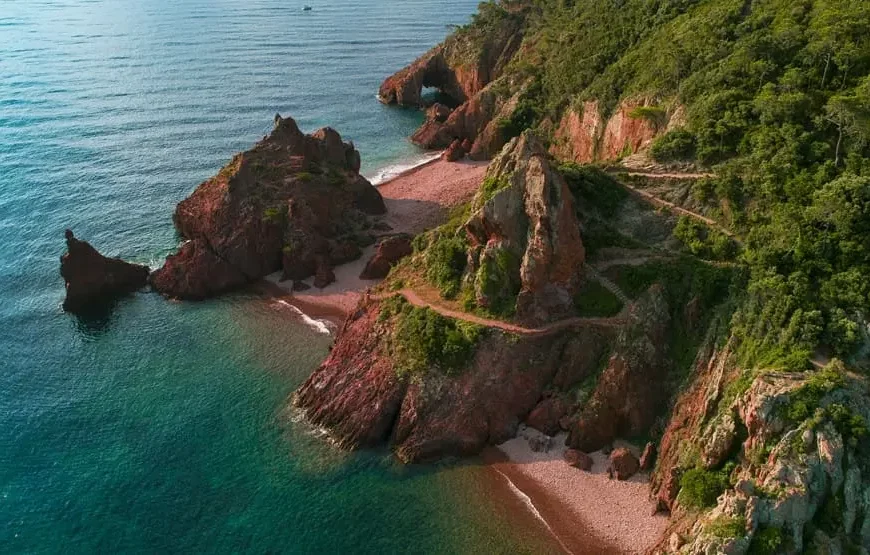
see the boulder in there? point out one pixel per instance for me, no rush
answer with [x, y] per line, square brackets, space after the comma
[623, 464]
[546, 415]
[324, 275]
[280, 205]
[438, 112]
[92, 279]
[300, 286]
[454, 152]
[388, 253]
[578, 459]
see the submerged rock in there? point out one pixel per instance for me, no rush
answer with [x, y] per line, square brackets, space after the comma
[92, 279]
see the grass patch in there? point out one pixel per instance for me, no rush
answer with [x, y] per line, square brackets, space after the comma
[726, 527]
[766, 541]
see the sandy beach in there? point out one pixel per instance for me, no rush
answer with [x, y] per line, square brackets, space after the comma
[588, 511]
[417, 199]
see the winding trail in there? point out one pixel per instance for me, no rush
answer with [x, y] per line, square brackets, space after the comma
[670, 205]
[412, 297]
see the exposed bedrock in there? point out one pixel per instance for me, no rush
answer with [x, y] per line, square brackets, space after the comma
[294, 202]
[525, 213]
[358, 395]
[93, 280]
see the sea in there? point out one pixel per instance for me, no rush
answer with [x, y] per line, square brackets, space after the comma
[165, 427]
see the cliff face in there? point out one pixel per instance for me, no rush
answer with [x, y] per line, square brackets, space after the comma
[788, 450]
[584, 135]
[294, 201]
[361, 397]
[92, 279]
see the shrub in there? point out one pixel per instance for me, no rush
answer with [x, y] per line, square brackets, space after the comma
[653, 114]
[274, 215]
[594, 187]
[804, 401]
[699, 488]
[727, 527]
[423, 339]
[678, 144]
[445, 263]
[766, 541]
[498, 278]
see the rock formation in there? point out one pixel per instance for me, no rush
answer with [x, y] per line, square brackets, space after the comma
[94, 280]
[629, 394]
[360, 397]
[525, 213]
[584, 136]
[578, 459]
[462, 68]
[623, 464]
[294, 202]
[390, 250]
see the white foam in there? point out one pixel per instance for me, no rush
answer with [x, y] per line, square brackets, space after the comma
[388, 172]
[321, 326]
[534, 510]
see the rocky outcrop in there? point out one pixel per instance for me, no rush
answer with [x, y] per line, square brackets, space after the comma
[630, 392]
[92, 279]
[390, 250]
[548, 414]
[583, 135]
[358, 395]
[464, 68]
[454, 152]
[461, 66]
[294, 202]
[524, 230]
[800, 478]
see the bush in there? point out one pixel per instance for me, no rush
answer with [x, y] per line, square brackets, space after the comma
[803, 402]
[423, 339]
[678, 144]
[727, 527]
[766, 541]
[699, 488]
[594, 187]
[498, 279]
[445, 263]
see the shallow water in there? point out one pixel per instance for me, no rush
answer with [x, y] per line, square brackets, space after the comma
[163, 426]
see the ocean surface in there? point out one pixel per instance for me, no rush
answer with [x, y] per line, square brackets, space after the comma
[164, 427]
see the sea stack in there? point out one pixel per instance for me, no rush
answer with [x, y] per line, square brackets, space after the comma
[92, 279]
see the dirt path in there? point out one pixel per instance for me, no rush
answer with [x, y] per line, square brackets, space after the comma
[412, 297]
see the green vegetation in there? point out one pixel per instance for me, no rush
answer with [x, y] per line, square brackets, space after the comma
[445, 262]
[678, 144]
[422, 339]
[498, 280]
[766, 541]
[699, 488]
[653, 114]
[490, 186]
[275, 215]
[595, 300]
[704, 241]
[776, 97]
[304, 176]
[804, 401]
[726, 527]
[594, 187]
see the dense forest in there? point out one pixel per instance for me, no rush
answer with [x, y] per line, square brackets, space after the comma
[777, 102]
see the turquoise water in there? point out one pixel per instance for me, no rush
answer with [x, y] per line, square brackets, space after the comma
[163, 427]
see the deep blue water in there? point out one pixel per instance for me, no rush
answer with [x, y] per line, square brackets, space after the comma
[164, 426]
